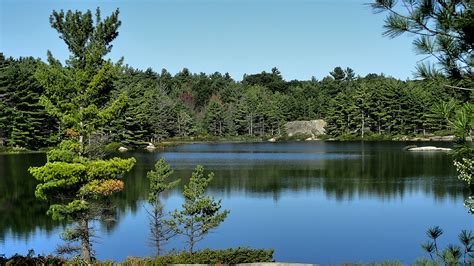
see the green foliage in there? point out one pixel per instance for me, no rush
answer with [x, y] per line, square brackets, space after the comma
[443, 30]
[135, 107]
[75, 181]
[67, 151]
[452, 254]
[158, 180]
[465, 168]
[23, 121]
[464, 153]
[207, 256]
[78, 95]
[161, 228]
[464, 121]
[383, 263]
[87, 40]
[31, 259]
[385, 106]
[214, 119]
[272, 81]
[69, 186]
[112, 147]
[200, 213]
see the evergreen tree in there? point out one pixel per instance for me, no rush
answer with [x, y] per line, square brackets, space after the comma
[24, 121]
[363, 97]
[160, 227]
[214, 119]
[338, 73]
[444, 30]
[200, 213]
[74, 182]
[5, 109]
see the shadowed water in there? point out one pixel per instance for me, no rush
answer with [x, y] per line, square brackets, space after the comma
[316, 202]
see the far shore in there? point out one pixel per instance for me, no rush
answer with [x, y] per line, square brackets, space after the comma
[242, 139]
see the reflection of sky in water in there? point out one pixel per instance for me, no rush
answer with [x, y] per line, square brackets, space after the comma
[302, 227]
[311, 202]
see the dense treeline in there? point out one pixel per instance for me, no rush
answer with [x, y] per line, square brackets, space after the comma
[162, 105]
[23, 120]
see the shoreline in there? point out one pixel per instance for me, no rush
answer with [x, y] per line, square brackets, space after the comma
[197, 140]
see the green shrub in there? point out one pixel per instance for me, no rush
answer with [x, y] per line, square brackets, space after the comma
[31, 259]
[295, 137]
[112, 147]
[426, 262]
[208, 256]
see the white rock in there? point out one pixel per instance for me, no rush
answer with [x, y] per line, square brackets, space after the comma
[272, 139]
[150, 147]
[312, 127]
[429, 148]
[122, 149]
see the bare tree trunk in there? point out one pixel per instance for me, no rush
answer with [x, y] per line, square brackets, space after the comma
[251, 125]
[85, 240]
[380, 127]
[81, 136]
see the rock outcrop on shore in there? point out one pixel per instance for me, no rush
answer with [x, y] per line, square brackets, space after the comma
[309, 128]
[150, 147]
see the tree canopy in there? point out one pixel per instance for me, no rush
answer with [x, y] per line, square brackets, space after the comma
[444, 30]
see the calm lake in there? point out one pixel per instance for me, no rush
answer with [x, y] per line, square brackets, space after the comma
[312, 202]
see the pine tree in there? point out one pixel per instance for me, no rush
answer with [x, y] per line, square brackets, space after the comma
[200, 213]
[161, 228]
[5, 109]
[363, 97]
[214, 119]
[24, 121]
[74, 182]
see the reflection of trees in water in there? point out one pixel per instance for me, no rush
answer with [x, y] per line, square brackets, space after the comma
[386, 175]
[20, 211]
[382, 174]
[393, 175]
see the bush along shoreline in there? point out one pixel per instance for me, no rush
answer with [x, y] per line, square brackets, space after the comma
[205, 256]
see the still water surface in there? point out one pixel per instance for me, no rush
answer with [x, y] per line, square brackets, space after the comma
[318, 202]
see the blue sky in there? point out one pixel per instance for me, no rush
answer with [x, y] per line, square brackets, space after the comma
[303, 38]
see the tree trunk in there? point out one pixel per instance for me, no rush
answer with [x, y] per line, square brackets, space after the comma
[251, 125]
[156, 227]
[85, 240]
[380, 127]
[191, 242]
